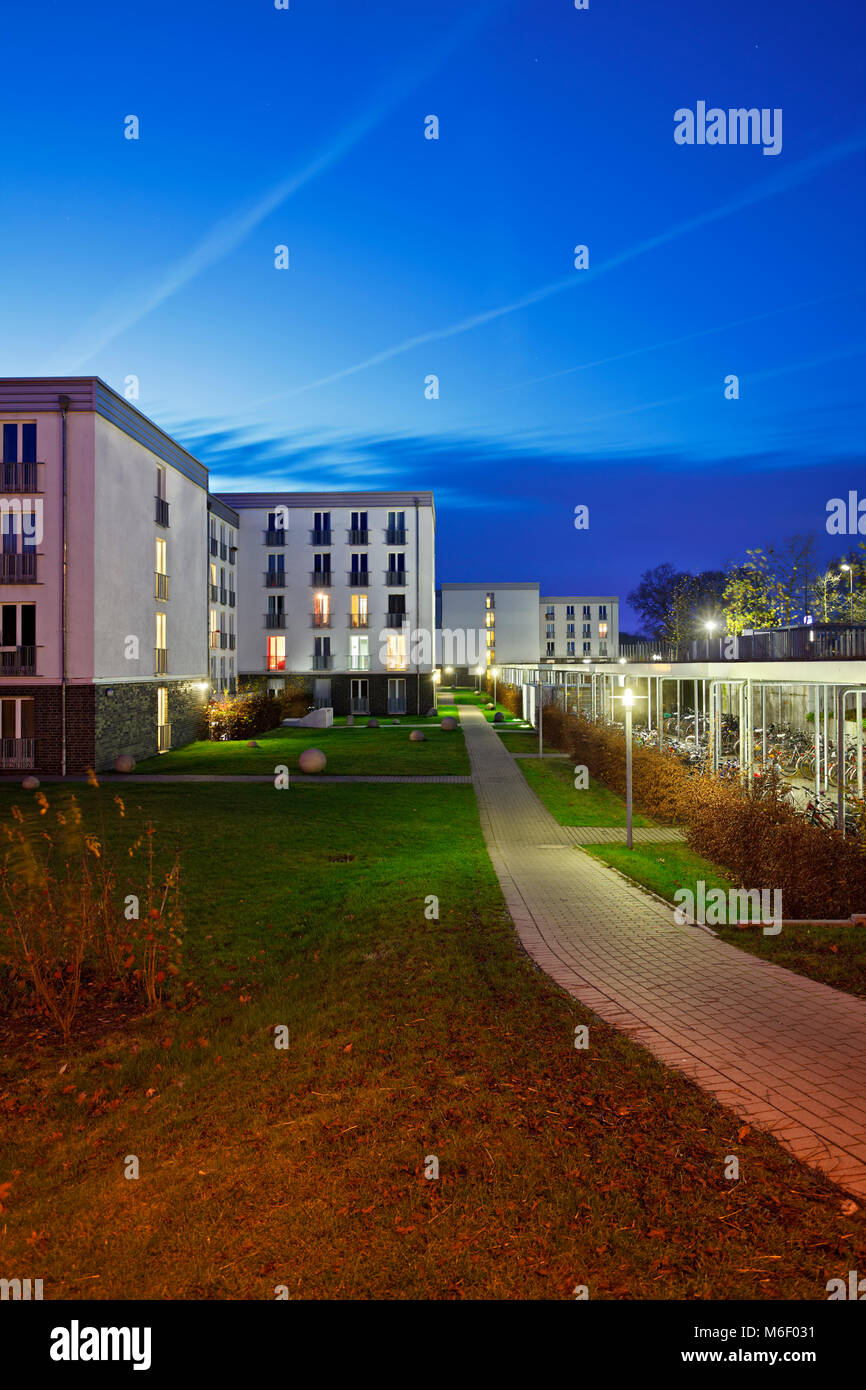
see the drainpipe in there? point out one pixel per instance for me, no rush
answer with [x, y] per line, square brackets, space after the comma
[64, 407]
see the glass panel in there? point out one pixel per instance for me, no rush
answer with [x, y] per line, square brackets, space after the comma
[10, 443]
[28, 443]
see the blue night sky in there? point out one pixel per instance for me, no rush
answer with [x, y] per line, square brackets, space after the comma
[455, 257]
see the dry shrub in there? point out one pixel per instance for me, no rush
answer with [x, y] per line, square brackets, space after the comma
[748, 830]
[77, 916]
[510, 698]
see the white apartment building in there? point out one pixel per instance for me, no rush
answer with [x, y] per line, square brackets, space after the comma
[102, 609]
[223, 526]
[337, 590]
[574, 629]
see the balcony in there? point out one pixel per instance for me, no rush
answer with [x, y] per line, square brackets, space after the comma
[397, 705]
[17, 752]
[360, 705]
[163, 738]
[161, 585]
[224, 550]
[232, 598]
[322, 661]
[359, 579]
[214, 549]
[214, 593]
[396, 577]
[277, 663]
[321, 620]
[19, 477]
[160, 656]
[18, 661]
[161, 511]
[395, 619]
[224, 641]
[321, 537]
[395, 535]
[224, 595]
[361, 537]
[321, 579]
[231, 641]
[18, 569]
[274, 537]
[214, 639]
[359, 663]
[275, 579]
[359, 620]
[275, 621]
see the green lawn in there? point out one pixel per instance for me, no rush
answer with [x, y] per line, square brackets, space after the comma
[553, 783]
[356, 751]
[834, 955]
[408, 1037]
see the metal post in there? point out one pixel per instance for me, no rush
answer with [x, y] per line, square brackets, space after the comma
[860, 744]
[841, 701]
[649, 704]
[817, 740]
[538, 720]
[660, 710]
[697, 718]
[678, 705]
[628, 836]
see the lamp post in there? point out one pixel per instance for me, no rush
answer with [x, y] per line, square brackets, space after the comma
[628, 706]
[494, 671]
[478, 674]
[850, 570]
[437, 676]
[538, 718]
[711, 627]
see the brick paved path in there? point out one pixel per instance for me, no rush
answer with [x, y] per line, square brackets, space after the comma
[786, 1053]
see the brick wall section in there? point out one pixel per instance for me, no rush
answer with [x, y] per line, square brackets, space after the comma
[125, 721]
[79, 728]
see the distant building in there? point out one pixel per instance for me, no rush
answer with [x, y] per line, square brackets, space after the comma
[572, 629]
[512, 623]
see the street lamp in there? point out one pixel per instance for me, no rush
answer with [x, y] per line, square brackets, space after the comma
[628, 706]
[710, 625]
[850, 570]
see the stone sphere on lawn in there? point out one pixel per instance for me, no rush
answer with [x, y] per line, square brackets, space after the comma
[30, 784]
[252, 744]
[312, 760]
[124, 763]
[449, 723]
[490, 704]
[431, 713]
[417, 736]
[372, 723]
[499, 717]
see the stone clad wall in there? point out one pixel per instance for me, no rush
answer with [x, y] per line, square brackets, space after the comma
[125, 722]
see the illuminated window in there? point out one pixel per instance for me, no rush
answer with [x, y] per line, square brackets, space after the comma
[276, 653]
[358, 612]
[395, 657]
[160, 556]
[602, 629]
[322, 610]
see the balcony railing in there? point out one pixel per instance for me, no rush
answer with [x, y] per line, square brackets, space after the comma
[276, 537]
[361, 705]
[277, 663]
[161, 583]
[395, 619]
[214, 639]
[160, 655]
[163, 738]
[321, 578]
[322, 661]
[320, 537]
[395, 535]
[322, 701]
[359, 620]
[359, 579]
[18, 661]
[274, 621]
[224, 641]
[321, 620]
[18, 569]
[17, 752]
[214, 593]
[359, 663]
[232, 641]
[397, 705]
[359, 537]
[19, 477]
[396, 577]
[214, 549]
[224, 595]
[232, 598]
[161, 511]
[275, 579]
[224, 550]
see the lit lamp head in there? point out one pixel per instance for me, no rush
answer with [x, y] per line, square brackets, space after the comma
[710, 625]
[628, 698]
[845, 568]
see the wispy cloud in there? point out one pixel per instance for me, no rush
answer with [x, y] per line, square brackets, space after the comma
[771, 187]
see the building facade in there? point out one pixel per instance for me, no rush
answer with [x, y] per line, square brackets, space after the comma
[336, 593]
[222, 591]
[102, 649]
[577, 628]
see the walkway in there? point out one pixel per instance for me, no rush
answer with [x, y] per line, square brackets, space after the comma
[786, 1053]
[155, 779]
